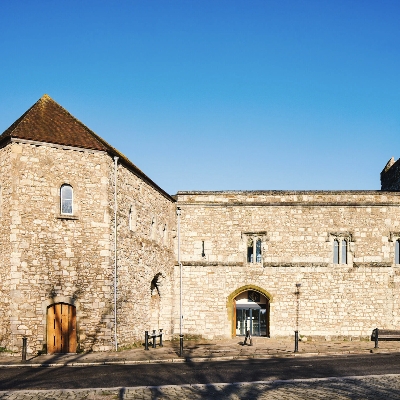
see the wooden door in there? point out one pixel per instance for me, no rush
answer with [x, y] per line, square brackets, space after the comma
[61, 328]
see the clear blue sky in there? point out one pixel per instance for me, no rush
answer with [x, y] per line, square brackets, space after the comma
[217, 95]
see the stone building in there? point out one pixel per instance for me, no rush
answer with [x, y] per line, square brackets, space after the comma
[71, 205]
[89, 250]
[244, 252]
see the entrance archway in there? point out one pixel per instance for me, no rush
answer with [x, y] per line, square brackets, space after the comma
[61, 328]
[249, 310]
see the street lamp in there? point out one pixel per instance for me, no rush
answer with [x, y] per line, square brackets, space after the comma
[296, 332]
[178, 214]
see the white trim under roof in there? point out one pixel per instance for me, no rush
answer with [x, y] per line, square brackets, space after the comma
[57, 146]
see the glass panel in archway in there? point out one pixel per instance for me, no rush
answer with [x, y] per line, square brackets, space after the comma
[263, 322]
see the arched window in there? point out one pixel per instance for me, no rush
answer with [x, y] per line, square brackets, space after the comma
[336, 251]
[66, 199]
[397, 252]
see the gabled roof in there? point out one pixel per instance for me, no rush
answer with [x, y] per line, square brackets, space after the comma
[47, 122]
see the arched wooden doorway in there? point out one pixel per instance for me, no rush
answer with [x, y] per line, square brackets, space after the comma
[61, 328]
[249, 310]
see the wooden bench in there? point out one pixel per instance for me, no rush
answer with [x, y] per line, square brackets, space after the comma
[384, 334]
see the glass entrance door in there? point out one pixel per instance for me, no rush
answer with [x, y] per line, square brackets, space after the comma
[242, 321]
[251, 319]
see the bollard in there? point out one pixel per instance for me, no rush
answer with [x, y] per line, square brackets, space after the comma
[161, 345]
[180, 345]
[24, 340]
[146, 340]
[376, 339]
[296, 341]
[154, 338]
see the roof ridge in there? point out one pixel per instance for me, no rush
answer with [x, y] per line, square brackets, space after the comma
[38, 110]
[49, 122]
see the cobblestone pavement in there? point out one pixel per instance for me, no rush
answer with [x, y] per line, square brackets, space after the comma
[375, 387]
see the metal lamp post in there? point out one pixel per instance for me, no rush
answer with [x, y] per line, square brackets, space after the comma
[296, 332]
[178, 214]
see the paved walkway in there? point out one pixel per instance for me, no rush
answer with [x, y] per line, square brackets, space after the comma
[197, 351]
[386, 387]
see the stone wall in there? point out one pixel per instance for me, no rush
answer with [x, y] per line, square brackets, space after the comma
[57, 258]
[5, 254]
[146, 228]
[48, 258]
[92, 274]
[52, 258]
[297, 231]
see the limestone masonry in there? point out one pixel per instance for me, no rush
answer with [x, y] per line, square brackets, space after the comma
[74, 211]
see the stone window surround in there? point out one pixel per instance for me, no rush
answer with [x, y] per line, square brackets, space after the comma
[62, 198]
[394, 237]
[254, 236]
[165, 234]
[60, 215]
[132, 218]
[153, 227]
[342, 236]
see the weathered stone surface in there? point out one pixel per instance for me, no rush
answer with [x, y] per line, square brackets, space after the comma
[48, 257]
[298, 229]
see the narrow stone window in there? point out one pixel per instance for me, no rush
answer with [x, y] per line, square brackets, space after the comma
[132, 218]
[336, 251]
[66, 199]
[344, 252]
[203, 253]
[254, 249]
[250, 251]
[153, 228]
[165, 234]
[397, 252]
[258, 251]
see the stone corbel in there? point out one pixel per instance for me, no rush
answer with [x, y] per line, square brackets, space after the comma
[393, 236]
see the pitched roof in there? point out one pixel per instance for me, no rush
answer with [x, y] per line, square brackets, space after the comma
[47, 122]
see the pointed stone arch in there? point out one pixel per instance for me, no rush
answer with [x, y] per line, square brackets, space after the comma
[157, 294]
[234, 294]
